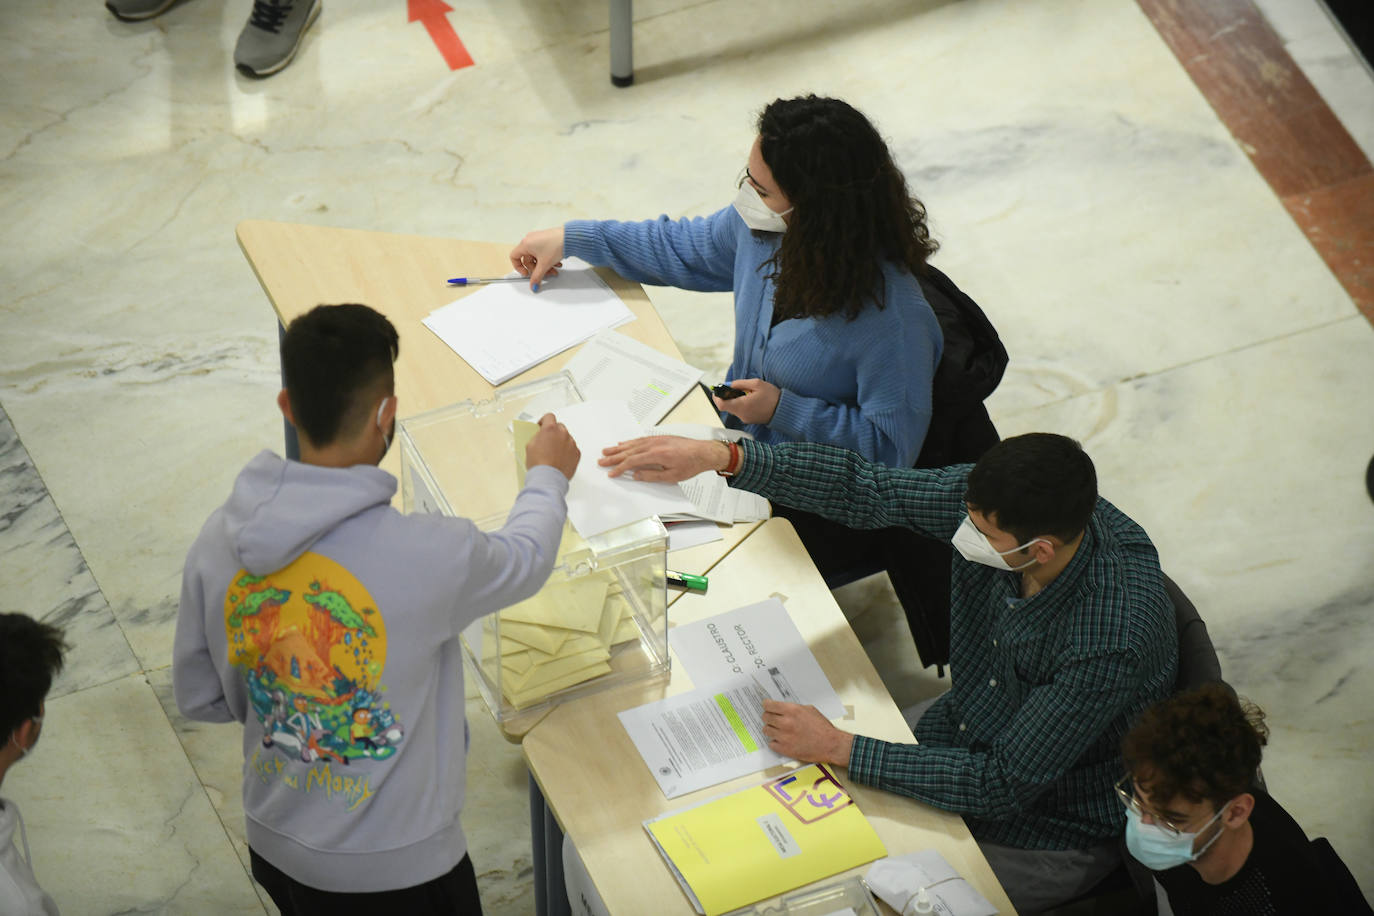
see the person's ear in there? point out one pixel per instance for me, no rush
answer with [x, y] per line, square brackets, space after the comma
[24, 734]
[284, 403]
[1042, 548]
[1238, 810]
[388, 411]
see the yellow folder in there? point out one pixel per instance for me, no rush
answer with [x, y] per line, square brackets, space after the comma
[740, 848]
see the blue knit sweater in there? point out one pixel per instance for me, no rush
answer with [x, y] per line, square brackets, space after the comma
[862, 384]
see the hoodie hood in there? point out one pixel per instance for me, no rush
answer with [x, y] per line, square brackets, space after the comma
[279, 508]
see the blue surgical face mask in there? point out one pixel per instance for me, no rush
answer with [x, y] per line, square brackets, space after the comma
[1160, 850]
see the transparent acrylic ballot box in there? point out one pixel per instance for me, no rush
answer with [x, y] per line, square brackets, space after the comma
[601, 618]
[848, 896]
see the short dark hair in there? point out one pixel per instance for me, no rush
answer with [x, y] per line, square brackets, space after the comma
[1035, 484]
[852, 209]
[336, 359]
[30, 657]
[1203, 745]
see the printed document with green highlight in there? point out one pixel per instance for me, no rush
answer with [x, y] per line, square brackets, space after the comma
[736, 849]
[703, 737]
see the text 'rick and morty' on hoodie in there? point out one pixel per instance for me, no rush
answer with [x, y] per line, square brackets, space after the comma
[327, 623]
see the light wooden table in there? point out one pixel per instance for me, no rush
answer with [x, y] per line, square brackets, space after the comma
[600, 791]
[404, 277]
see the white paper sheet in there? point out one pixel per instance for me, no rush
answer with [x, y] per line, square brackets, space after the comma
[682, 535]
[596, 502]
[689, 741]
[503, 329]
[614, 367]
[759, 640]
[714, 499]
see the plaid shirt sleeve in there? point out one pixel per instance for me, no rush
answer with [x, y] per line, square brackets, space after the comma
[844, 487]
[1051, 730]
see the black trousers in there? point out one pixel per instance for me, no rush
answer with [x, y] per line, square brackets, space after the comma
[453, 894]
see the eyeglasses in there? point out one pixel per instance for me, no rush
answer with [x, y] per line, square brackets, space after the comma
[1126, 789]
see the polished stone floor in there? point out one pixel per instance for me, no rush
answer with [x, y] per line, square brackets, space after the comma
[1158, 300]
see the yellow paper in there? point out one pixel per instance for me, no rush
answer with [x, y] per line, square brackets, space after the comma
[522, 431]
[625, 630]
[767, 839]
[519, 661]
[574, 604]
[522, 698]
[554, 669]
[516, 637]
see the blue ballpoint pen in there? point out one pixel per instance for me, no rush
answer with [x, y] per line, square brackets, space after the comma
[466, 281]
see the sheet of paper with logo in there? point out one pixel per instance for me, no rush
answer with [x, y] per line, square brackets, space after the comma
[503, 329]
[759, 640]
[704, 737]
[740, 848]
[615, 367]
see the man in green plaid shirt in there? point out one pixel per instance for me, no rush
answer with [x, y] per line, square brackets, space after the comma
[1061, 633]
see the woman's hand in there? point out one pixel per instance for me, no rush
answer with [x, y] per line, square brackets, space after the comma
[756, 406]
[539, 255]
[801, 732]
[665, 458]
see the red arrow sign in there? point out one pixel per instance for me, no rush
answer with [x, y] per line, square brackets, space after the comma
[433, 14]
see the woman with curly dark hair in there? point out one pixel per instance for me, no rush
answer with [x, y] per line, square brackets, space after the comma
[834, 340]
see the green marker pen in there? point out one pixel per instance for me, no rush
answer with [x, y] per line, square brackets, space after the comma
[686, 581]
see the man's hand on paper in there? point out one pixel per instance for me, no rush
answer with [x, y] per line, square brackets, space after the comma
[803, 733]
[664, 458]
[757, 406]
[539, 255]
[553, 445]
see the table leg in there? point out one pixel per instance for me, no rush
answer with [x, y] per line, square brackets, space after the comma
[293, 444]
[622, 43]
[546, 847]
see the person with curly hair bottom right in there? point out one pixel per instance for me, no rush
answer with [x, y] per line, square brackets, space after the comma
[1217, 843]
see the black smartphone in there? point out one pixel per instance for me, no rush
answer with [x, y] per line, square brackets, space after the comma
[725, 392]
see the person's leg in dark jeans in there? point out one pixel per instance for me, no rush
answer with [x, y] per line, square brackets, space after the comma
[451, 894]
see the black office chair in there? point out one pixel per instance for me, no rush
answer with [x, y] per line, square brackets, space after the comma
[1198, 664]
[1340, 880]
[960, 431]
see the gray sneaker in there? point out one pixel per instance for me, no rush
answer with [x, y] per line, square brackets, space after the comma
[273, 34]
[136, 10]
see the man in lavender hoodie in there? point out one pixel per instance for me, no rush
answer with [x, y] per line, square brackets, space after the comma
[327, 623]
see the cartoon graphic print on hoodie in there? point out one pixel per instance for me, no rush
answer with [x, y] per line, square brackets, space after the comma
[310, 644]
[326, 622]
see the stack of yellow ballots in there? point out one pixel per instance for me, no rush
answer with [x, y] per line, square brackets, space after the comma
[562, 636]
[765, 840]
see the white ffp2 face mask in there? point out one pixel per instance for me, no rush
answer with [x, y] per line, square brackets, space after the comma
[973, 546]
[386, 440]
[755, 213]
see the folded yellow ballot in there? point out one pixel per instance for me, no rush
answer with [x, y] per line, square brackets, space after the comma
[530, 695]
[519, 637]
[573, 605]
[764, 840]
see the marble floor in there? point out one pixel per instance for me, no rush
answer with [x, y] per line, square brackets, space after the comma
[1158, 301]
